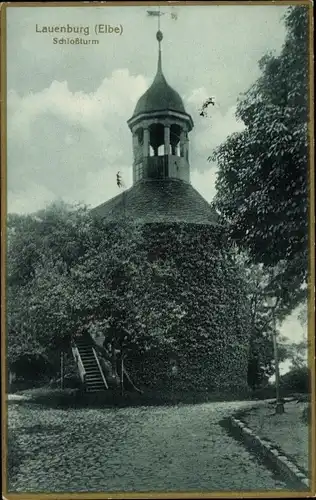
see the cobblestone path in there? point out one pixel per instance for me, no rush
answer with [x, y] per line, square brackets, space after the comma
[180, 448]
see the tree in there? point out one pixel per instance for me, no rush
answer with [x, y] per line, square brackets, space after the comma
[297, 380]
[261, 363]
[60, 232]
[112, 290]
[303, 314]
[69, 272]
[41, 249]
[262, 184]
[297, 354]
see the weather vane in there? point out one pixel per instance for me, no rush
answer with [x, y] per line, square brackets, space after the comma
[157, 13]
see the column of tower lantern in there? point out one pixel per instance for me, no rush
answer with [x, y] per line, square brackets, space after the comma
[167, 139]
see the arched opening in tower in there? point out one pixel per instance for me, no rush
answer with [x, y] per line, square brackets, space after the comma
[156, 140]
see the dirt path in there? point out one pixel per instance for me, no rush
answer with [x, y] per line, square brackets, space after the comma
[141, 449]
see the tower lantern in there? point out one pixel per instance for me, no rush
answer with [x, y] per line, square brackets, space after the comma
[160, 127]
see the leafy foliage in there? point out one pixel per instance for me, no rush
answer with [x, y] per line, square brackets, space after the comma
[154, 292]
[296, 380]
[297, 354]
[262, 185]
[303, 314]
[207, 286]
[60, 233]
[41, 249]
[261, 365]
[67, 273]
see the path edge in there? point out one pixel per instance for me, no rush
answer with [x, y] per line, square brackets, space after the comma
[268, 451]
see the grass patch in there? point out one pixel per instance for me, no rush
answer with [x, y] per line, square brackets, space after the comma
[287, 432]
[259, 454]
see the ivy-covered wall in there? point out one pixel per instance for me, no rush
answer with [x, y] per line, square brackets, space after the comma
[210, 351]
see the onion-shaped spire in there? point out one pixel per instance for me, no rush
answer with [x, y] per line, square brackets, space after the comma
[159, 96]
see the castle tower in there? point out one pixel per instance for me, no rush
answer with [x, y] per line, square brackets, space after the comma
[179, 227]
[160, 127]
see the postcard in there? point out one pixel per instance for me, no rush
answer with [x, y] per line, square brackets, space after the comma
[157, 236]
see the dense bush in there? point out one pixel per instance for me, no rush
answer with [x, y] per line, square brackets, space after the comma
[32, 370]
[69, 382]
[266, 392]
[296, 380]
[31, 366]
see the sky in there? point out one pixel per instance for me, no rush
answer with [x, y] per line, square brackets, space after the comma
[67, 105]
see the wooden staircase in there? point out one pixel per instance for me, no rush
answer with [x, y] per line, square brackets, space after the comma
[89, 367]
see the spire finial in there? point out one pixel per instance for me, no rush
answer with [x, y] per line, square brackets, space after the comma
[159, 37]
[157, 13]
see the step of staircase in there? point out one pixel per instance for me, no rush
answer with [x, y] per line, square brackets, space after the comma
[90, 388]
[95, 390]
[83, 343]
[93, 371]
[88, 360]
[94, 380]
[94, 375]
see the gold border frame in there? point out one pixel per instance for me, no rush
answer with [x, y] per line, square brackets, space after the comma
[311, 299]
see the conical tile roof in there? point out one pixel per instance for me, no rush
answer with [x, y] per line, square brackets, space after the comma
[165, 201]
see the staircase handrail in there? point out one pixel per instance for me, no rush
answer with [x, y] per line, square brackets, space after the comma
[82, 371]
[100, 368]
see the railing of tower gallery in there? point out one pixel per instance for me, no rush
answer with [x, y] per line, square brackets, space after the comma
[158, 167]
[78, 360]
[100, 368]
